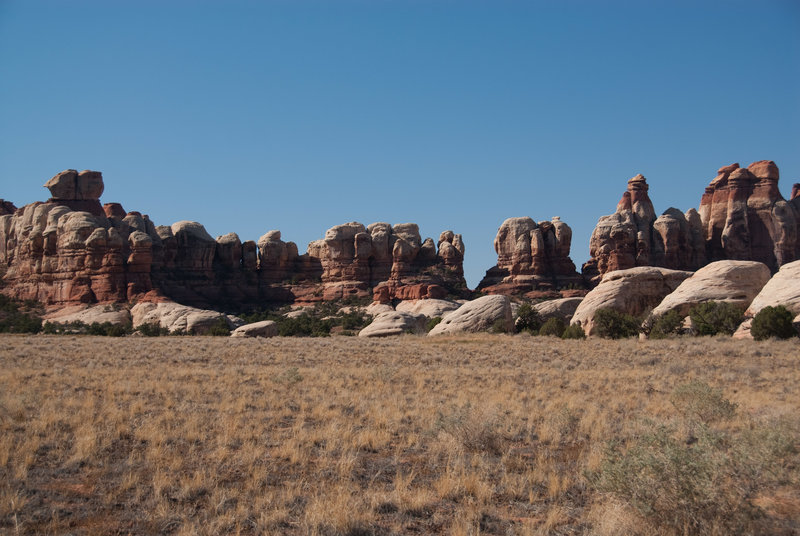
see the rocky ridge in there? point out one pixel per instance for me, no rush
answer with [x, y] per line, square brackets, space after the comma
[742, 216]
[71, 250]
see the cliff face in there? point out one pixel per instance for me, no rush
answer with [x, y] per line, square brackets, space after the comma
[531, 256]
[742, 216]
[71, 249]
[745, 217]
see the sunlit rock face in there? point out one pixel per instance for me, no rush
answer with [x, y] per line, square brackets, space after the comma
[71, 250]
[742, 216]
[531, 256]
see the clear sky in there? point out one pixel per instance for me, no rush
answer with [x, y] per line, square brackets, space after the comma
[296, 115]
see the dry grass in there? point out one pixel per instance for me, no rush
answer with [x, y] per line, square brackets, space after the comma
[484, 434]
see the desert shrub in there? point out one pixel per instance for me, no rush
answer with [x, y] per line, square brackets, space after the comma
[354, 321]
[16, 317]
[712, 318]
[220, 328]
[475, 430]
[499, 326]
[611, 324]
[665, 325]
[704, 484]
[573, 331]
[304, 325]
[152, 329]
[528, 319]
[107, 329]
[553, 326]
[773, 322]
[432, 323]
[699, 403]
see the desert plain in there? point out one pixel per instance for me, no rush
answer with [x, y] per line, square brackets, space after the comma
[470, 434]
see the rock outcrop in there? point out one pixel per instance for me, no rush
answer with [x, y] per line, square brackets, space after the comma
[7, 207]
[265, 328]
[633, 236]
[736, 282]
[634, 291]
[89, 314]
[531, 256]
[72, 250]
[745, 217]
[394, 323]
[177, 318]
[563, 308]
[742, 216]
[481, 314]
[431, 308]
[782, 289]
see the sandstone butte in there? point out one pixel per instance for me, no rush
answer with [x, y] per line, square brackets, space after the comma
[742, 216]
[72, 250]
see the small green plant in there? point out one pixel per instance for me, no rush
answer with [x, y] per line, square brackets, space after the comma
[773, 322]
[220, 328]
[432, 323]
[712, 318]
[669, 323]
[553, 327]
[573, 331]
[528, 319]
[611, 324]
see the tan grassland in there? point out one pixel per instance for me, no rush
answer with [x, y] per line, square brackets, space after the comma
[476, 434]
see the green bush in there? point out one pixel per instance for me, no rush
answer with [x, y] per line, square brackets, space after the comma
[665, 325]
[573, 331]
[553, 327]
[19, 317]
[712, 318]
[611, 324]
[354, 321]
[152, 329]
[499, 326]
[220, 328]
[528, 319]
[432, 323]
[304, 325]
[773, 322]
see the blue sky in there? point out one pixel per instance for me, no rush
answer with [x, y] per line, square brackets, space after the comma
[295, 115]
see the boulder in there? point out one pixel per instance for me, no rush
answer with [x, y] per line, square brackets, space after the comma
[782, 289]
[634, 291]
[736, 282]
[89, 314]
[179, 318]
[376, 308]
[477, 315]
[265, 328]
[394, 323]
[563, 308]
[429, 308]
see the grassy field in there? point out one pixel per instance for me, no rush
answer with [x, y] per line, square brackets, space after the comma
[479, 434]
